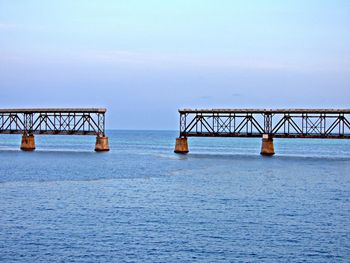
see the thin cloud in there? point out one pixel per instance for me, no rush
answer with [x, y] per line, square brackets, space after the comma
[184, 60]
[124, 58]
[20, 27]
[6, 26]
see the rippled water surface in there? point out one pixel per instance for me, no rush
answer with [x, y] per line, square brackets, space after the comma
[140, 202]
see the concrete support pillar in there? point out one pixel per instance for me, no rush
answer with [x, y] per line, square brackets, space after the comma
[181, 145]
[101, 144]
[28, 143]
[267, 147]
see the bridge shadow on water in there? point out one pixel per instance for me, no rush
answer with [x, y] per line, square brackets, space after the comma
[257, 157]
[38, 153]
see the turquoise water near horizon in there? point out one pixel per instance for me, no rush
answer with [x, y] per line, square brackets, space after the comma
[140, 202]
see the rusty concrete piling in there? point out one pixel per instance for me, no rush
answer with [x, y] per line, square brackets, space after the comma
[28, 142]
[101, 144]
[181, 146]
[267, 147]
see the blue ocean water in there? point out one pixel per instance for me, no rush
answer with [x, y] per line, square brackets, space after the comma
[140, 202]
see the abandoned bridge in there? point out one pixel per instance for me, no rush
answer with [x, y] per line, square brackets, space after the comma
[264, 123]
[61, 121]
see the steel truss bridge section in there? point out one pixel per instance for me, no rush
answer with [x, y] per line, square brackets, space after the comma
[82, 121]
[277, 123]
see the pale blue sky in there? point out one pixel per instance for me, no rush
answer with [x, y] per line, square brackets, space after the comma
[145, 59]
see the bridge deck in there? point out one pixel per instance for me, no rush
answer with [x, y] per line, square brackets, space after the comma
[306, 111]
[55, 110]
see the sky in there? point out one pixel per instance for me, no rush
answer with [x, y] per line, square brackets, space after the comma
[143, 60]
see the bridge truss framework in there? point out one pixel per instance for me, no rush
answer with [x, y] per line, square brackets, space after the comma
[292, 123]
[265, 123]
[66, 121]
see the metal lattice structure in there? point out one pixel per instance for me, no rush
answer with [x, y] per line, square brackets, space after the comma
[86, 121]
[284, 123]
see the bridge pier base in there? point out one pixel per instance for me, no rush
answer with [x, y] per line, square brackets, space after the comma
[267, 147]
[181, 145]
[28, 143]
[101, 144]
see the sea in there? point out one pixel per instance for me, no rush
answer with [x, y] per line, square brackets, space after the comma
[141, 202]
